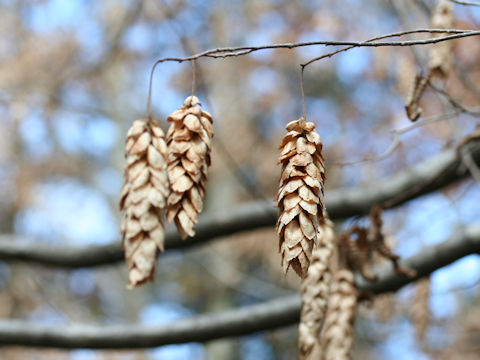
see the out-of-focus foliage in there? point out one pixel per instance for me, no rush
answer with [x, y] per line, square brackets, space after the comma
[73, 77]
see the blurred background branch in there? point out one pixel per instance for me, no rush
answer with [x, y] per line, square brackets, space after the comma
[74, 76]
[429, 176]
[246, 320]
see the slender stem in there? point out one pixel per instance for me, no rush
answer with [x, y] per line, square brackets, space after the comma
[194, 77]
[302, 86]
[149, 98]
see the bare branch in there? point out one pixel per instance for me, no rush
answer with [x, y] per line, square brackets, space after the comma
[243, 321]
[396, 133]
[401, 33]
[244, 50]
[426, 177]
[369, 158]
[461, 2]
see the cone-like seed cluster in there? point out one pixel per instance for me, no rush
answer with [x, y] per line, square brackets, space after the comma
[300, 195]
[441, 54]
[188, 140]
[338, 337]
[315, 290]
[143, 199]
[420, 309]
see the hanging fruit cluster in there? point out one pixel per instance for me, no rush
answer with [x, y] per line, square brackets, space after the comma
[166, 176]
[163, 175]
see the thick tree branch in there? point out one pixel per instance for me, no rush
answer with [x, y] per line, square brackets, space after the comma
[426, 177]
[243, 321]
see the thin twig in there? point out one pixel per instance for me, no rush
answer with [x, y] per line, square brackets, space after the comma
[427, 121]
[231, 52]
[149, 97]
[239, 281]
[302, 86]
[398, 132]
[462, 2]
[393, 146]
[455, 103]
[401, 33]
[244, 50]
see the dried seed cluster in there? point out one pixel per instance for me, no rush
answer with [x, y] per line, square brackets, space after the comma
[143, 199]
[163, 175]
[188, 140]
[169, 175]
[315, 289]
[331, 336]
[300, 195]
[338, 336]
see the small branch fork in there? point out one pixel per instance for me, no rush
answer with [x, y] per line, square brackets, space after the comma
[244, 50]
